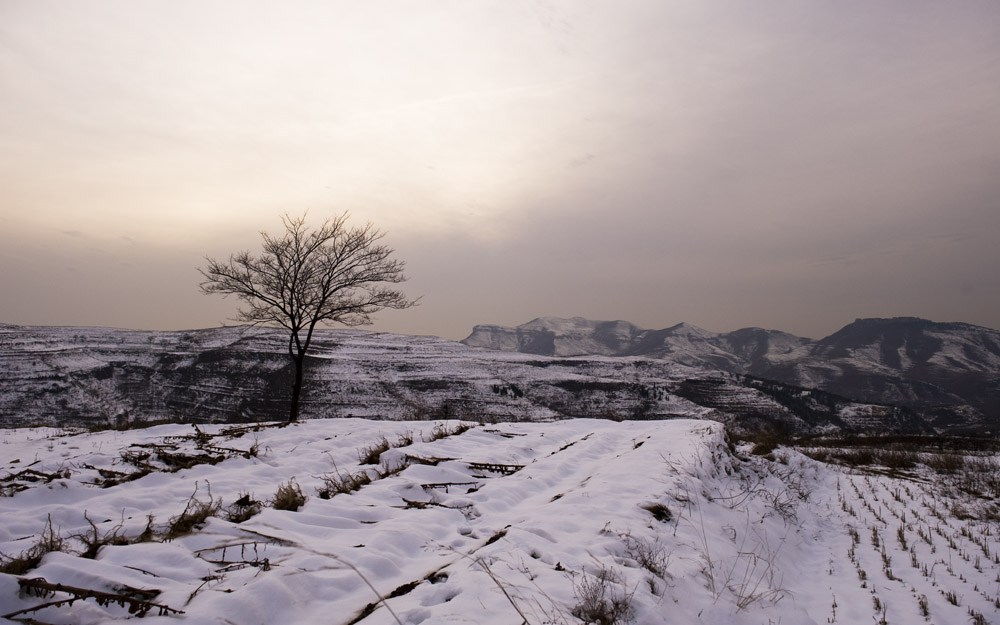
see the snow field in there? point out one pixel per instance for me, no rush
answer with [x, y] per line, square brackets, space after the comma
[917, 554]
[503, 523]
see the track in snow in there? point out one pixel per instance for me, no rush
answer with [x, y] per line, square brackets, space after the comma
[497, 524]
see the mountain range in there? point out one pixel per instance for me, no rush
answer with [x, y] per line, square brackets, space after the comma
[98, 377]
[900, 374]
[948, 371]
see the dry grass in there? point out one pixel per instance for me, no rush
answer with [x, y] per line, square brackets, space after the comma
[29, 559]
[945, 463]
[288, 496]
[441, 430]
[94, 539]
[372, 453]
[342, 483]
[602, 600]
[659, 511]
[650, 555]
[389, 469]
[195, 513]
[243, 508]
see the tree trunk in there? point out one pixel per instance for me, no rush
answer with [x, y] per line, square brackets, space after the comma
[293, 414]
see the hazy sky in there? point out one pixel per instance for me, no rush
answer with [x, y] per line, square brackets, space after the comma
[785, 164]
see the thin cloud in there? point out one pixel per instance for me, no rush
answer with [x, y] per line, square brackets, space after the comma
[794, 165]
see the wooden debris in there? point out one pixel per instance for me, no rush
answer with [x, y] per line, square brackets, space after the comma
[138, 601]
[16, 482]
[431, 461]
[495, 467]
[243, 561]
[447, 485]
[505, 434]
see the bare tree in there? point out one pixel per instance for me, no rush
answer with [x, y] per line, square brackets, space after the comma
[307, 277]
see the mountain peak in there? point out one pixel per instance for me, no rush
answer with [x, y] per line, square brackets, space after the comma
[686, 329]
[884, 321]
[563, 324]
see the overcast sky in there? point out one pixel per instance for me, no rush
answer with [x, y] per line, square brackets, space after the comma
[789, 165]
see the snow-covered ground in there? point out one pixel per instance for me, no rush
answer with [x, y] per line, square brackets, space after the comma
[522, 522]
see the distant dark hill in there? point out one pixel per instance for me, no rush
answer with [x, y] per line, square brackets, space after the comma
[948, 370]
[943, 368]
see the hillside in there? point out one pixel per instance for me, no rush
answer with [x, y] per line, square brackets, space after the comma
[949, 371]
[100, 377]
[946, 368]
[564, 522]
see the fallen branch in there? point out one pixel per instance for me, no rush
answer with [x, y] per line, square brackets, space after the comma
[31, 475]
[136, 600]
[495, 467]
[446, 485]
[432, 461]
[420, 505]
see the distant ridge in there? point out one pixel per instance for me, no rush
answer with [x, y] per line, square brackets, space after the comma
[949, 369]
[874, 375]
[100, 377]
[683, 343]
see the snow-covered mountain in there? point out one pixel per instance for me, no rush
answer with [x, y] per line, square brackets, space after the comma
[95, 376]
[682, 343]
[944, 368]
[951, 370]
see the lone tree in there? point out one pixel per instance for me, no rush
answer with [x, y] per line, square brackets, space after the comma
[307, 277]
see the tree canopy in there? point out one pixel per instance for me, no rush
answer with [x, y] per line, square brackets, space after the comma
[306, 277]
